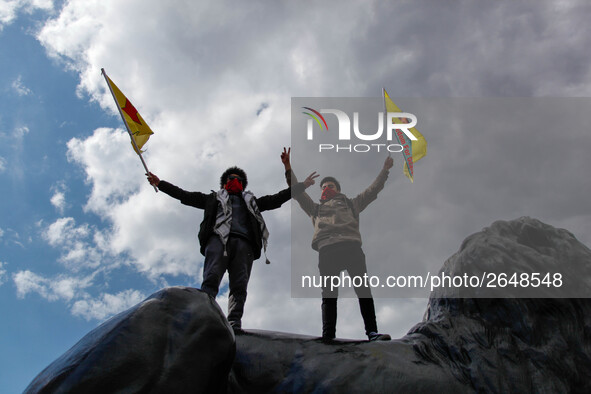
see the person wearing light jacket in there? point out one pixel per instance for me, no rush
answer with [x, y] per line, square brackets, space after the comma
[338, 242]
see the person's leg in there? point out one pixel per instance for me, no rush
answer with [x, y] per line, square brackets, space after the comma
[356, 266]
[214, 266]
[329, 318]
[368, 313]
[328, 265]
[239, 268]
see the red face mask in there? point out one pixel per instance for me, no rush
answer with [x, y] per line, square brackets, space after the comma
[328, 193]
[233, 186]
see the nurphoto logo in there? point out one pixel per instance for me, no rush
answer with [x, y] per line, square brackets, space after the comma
[357, 127]
[400, 131]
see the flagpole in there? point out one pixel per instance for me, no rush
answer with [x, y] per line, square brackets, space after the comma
[135, 147]
[385, 111]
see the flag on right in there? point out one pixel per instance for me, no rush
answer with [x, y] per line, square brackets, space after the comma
[418, 148]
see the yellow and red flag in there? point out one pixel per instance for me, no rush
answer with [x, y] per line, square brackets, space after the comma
[417, 149]
[138, 128]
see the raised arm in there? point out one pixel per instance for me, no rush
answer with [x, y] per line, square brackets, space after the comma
[194, 199]
[371, 193]
[294, 190]
[305, 201]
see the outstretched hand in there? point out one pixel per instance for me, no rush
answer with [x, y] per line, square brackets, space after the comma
[310, 180]
[285, 158]
[153, 179]
[388, 163]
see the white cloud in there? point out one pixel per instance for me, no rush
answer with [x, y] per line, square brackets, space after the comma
[72, 290]
[58, 200]
[76, 244]
[59, 288]
[12, 236]
[27, 282]
[107, 304]
[20, 132]
[2, 164]
[19, 88]
[101, 154]
[145, 225]
[10, 8]
[64, 231]
[2, 270]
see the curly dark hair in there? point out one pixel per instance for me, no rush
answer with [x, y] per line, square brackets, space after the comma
[234, 170]
[330, 179]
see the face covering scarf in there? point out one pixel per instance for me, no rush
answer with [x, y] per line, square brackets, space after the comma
[233, 186]
[328, 193]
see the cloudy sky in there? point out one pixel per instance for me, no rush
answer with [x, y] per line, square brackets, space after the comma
[83, 235]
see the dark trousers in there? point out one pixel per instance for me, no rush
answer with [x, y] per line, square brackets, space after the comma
[238, 263]
[332, 260]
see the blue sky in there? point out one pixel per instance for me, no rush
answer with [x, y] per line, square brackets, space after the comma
[40, 113]
[82, 234]
[30, 85]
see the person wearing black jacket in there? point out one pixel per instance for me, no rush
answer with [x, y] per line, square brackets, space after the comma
[232, 232]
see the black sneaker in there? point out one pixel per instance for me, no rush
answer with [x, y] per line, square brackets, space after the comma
[374, 336]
